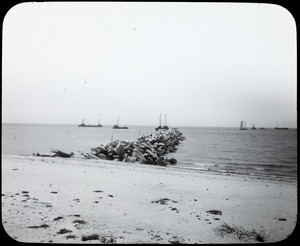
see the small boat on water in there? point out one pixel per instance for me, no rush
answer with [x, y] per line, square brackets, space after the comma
[165, 127]
[253, 127]
[86, 125]
[117, 125]
[242, 127]
[281, 128]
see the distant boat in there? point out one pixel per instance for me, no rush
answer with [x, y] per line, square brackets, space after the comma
[281, 128]
[86, 125]
[242, 127]
[165, 127]
[117, 125]
[253, 127]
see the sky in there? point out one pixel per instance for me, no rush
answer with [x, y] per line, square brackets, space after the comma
[202, 64]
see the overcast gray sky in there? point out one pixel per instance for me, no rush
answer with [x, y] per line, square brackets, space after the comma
[202, 64]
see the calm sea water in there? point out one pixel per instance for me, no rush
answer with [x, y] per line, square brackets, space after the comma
[258, 152]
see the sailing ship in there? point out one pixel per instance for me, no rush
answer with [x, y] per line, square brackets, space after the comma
[165, 127]
[117, 125]
[242, 127]
[86, 125]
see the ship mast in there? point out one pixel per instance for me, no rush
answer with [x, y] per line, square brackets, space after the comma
[160, 120]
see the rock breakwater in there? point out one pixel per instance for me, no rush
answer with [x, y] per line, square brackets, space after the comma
[147, 149]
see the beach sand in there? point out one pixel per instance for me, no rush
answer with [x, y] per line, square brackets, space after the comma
[75, 200]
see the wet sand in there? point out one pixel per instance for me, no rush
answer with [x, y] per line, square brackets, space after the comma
[74, 200]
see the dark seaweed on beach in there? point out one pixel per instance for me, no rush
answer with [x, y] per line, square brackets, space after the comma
[241, 233]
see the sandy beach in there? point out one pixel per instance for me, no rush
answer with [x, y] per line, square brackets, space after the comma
[98, 201]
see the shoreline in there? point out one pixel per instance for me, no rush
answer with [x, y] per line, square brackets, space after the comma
[180, 166]
[70, 200]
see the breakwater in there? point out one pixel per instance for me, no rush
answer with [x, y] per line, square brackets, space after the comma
[147, 149]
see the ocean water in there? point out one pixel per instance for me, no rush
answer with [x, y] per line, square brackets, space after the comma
[268, 153]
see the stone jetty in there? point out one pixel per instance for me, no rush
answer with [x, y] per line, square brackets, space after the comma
[147, 149]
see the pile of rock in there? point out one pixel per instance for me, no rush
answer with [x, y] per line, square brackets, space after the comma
[148, 149]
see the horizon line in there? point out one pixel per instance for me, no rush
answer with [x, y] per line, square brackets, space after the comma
[174, 126]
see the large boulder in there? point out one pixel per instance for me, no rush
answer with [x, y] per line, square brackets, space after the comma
[143, 160]
[129, 159]
[172, 161]
[152, 154]
[161, 161]
[120, 150]
[98, 150]
[102, 156]
[111, 150]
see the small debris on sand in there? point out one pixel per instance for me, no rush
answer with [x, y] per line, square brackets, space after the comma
[41, 226]
[63, 231]
[90, 237]
[70, 236]
[58, 218]
[164, 201]
[176, 240]
[79, 222]
[216, 212]
[98, 191]
[107, 239]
